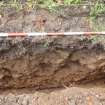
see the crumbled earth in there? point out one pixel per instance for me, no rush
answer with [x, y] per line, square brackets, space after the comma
[66, 96]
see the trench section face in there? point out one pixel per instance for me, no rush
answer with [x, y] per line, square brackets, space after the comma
[47, 62]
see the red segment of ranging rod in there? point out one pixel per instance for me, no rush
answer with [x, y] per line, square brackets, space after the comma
[17, 34]
[94, 33]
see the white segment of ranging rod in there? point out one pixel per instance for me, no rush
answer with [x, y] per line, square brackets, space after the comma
[37, 34]
[3, 34]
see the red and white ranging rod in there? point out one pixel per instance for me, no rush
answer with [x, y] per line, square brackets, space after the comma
[51, 34]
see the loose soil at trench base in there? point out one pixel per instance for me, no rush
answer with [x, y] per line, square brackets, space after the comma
[51, 70]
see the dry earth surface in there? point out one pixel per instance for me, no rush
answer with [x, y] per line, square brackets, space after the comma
[91, 94]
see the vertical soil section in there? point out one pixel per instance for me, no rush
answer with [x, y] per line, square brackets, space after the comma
[47, 62]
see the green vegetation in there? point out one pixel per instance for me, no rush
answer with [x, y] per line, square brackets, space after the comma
[68, 2]
[50, 4]
[16, 5]
[97, 39]
[12, 4]
[54, 5]
[97, 9]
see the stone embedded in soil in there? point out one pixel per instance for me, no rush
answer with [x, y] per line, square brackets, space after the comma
[47, 62]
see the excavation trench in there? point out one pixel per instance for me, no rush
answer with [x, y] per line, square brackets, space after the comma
[71, 69]
[50, 62]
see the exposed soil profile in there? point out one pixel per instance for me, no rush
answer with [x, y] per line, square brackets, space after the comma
[46, 62]
[55, 70]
